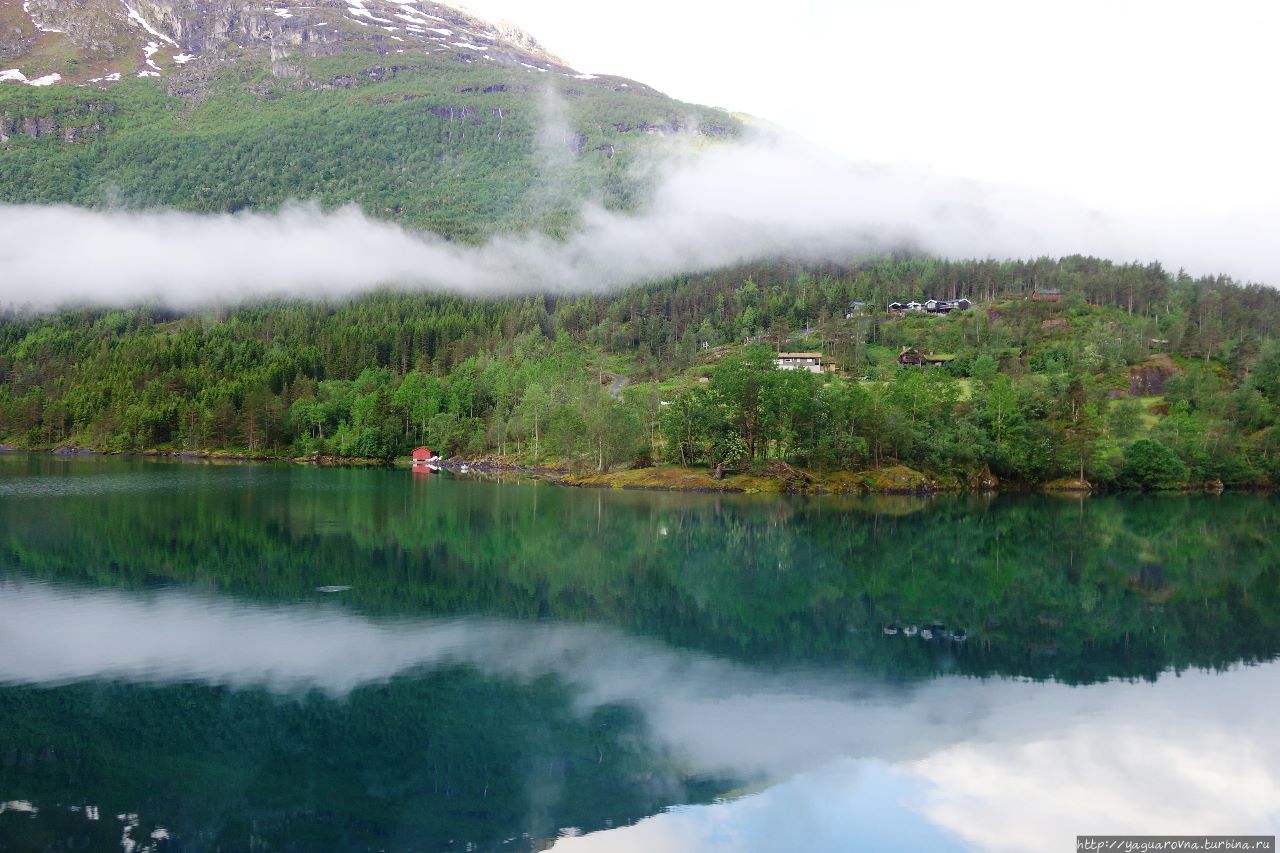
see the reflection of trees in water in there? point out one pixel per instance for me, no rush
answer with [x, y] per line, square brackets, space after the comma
[425, 761]
[1042, 586]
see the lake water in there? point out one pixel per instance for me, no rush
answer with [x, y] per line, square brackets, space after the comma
[205, 657]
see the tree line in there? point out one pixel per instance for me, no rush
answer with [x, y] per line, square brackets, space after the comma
[1138, 377]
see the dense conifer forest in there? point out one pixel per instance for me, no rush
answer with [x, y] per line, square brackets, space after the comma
[1136, 377]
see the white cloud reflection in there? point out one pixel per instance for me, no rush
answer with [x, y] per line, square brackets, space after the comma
[1195, 754]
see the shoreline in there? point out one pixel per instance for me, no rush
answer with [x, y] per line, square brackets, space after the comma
[230, 456]
[889, 480]
[775, 477]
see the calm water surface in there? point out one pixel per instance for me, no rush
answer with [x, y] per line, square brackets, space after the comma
[204, 657]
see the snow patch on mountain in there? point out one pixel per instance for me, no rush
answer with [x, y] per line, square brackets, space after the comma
[150, 51]
[356, 7]
[136, 16]
[13, 75]
[413, 16]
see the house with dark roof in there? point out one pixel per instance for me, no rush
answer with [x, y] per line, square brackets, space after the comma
[946, 306]
[912, 357]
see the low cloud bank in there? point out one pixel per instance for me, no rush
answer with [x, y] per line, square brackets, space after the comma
[722, 206]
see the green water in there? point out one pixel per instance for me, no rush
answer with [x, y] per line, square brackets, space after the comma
[512, 665]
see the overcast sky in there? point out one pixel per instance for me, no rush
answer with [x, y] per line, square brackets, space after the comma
[1133, 131]
[1141, 105]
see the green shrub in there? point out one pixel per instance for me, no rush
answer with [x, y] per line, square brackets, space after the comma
[1148, 464]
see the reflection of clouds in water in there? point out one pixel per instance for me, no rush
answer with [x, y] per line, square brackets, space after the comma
[846, 805]
[720, 715]
[55, 636]
[1195, 754]
[1041, 763]
[1002, 764]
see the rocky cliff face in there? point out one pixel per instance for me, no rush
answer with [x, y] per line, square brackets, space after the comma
[48, 42]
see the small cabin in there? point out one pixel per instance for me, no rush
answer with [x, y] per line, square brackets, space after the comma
[910, 356]
[1050, 295]
[810, 361]
[423, 455]
[946, 306]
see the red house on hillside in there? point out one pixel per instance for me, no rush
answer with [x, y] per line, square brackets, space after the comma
[423, 455]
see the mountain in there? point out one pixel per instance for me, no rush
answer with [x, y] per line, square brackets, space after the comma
[417, 111]
[94, 40]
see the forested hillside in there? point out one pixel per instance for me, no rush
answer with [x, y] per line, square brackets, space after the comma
[460, 150]
[1136, 378]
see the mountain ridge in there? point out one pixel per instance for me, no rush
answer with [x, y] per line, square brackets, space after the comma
[415, 111]
[46, 42]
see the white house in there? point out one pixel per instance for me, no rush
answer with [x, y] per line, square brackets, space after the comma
[810, 361]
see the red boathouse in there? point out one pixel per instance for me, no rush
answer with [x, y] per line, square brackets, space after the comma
[422, 455]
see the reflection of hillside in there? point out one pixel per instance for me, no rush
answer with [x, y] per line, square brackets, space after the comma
[290, 721]
[1079, 591]
[438, 760]
[884, 504]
